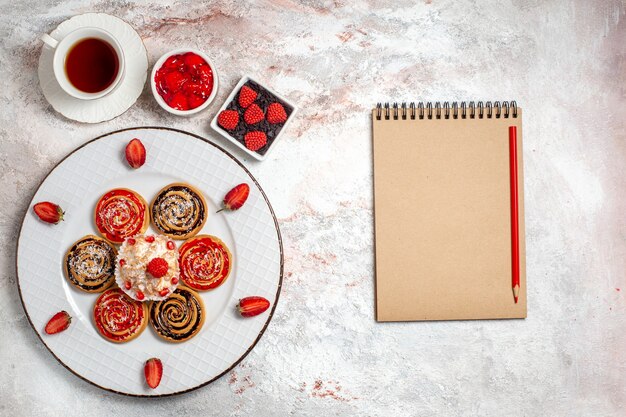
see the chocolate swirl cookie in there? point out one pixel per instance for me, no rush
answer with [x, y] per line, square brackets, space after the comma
[179, 317]
[90, 264]
[118, 317]
[178, 211]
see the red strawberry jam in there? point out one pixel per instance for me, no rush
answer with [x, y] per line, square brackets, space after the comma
[184, 81]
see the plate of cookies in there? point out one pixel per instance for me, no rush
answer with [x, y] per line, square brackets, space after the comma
[149, 262]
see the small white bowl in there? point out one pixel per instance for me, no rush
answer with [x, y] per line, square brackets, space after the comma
[231, 97]
[162, 102]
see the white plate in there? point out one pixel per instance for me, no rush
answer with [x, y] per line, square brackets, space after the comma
[113, 104]
[251, 233]
[231, 97]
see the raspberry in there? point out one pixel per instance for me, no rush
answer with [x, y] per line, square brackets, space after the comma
[255, 140]
[276, 113]
[157, 267]
[228, 119]
[246, 96]
[253, 114]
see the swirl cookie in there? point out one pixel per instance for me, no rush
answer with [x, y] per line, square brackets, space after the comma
[178, 211]
[204, 262]
[90, 264]
[119, 318]
[121, 213]
[178, 318]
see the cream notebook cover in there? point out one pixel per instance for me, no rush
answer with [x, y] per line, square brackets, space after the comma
[442, 212]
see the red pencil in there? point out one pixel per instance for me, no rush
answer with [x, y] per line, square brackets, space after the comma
[514, 211]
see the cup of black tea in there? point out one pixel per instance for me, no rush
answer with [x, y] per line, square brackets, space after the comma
[88, 63]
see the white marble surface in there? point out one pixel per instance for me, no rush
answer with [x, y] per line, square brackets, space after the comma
[323, 354]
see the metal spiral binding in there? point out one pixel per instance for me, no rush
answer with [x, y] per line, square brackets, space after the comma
[463, 110]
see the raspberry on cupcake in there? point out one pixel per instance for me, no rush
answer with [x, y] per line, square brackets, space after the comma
[147, 267]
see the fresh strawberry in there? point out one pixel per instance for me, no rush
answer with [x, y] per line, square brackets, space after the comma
[153, 370]
[178, 101]
[135, 153]
[236, 197]
[59, 322]
[252, 306]
[228, 119]
[157, 267]
[246, 96]
[255, 140]
[276, 113]
[253, 114]
[49, 212]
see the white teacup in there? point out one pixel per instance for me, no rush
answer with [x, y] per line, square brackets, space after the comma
[62, 48]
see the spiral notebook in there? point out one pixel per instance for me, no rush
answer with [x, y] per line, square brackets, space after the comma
[443, 189]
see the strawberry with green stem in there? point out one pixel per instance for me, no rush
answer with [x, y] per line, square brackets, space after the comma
[236, 197]
[48, 212]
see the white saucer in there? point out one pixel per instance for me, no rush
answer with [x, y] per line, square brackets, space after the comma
[114, 104]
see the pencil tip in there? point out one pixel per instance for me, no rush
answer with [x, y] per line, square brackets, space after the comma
[516, 299]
